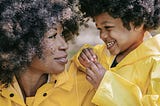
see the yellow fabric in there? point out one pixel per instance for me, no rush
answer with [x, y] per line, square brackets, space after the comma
[135, 81]
[70, 90]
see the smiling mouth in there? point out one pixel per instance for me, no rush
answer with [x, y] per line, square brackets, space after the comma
[110, 44]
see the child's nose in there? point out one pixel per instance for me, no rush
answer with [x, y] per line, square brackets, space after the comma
[103, 35]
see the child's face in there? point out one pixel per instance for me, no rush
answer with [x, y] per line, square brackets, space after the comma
[54, 55]
[117, 38]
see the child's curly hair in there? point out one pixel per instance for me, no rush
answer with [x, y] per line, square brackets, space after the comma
[138, 12]
[22, 26]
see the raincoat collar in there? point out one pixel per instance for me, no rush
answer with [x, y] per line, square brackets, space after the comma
[63, 80]
[13, 92]
[150, 47]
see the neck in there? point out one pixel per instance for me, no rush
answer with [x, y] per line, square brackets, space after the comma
[30, 81]
[123, 54]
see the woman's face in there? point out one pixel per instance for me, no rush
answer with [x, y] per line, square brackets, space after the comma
[54, 55]
[117, 38]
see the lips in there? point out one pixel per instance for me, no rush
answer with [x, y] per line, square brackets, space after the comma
[110, 44]
[61, 59]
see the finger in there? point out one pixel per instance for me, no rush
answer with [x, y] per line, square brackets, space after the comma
[81, 60]
[94, 68]
[84, 57]
[90, 80]
[101, 70]
[90, 73]
[88, 54]
[98, 65]
[94, 56]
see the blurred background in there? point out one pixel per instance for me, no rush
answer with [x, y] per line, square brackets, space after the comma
[87, 35]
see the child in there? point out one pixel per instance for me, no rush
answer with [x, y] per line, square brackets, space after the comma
[125, 70]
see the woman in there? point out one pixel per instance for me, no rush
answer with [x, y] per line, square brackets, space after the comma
[33, 53]
[127, 71]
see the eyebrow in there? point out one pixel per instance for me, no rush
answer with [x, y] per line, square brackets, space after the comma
[105, 23]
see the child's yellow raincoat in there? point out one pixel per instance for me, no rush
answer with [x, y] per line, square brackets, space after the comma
[135, 81]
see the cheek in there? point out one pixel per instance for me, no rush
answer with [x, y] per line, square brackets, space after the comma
[48, 61]
[124, 39]
[49, 49]
[115, 35]
[54, 67]
[50, 45]
[120, 37]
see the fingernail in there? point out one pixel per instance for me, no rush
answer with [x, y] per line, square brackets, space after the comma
[92, 59]
[95, 59]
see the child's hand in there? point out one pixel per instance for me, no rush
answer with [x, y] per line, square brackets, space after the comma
[95, 73]
[86, 56]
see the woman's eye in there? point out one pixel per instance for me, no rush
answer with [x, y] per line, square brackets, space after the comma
[52, 36]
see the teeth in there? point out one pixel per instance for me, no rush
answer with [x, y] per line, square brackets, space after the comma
[109, 44]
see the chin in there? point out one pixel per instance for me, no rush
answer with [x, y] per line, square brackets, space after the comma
[114, 52]
[58, 71]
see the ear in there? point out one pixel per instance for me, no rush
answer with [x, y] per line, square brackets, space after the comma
[137, 28]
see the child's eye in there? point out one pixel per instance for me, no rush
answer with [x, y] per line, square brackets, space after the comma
[99, 29]
[108, 27]
[52, 36]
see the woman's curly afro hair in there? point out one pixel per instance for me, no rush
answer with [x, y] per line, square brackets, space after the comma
[22, 26]
[138, 12]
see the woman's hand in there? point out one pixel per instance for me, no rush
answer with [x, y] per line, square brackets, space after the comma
[95, 73]
[86, 56]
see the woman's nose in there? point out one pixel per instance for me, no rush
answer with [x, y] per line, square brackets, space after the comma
[63, 44]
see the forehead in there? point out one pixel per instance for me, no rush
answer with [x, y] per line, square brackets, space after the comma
[105, 18]
[57, 27]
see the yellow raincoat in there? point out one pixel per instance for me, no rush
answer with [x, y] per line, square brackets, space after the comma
[135, 81]
[61, 90]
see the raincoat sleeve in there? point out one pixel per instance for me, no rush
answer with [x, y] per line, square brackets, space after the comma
[75, 57]
[85, 90]
[98, 49]
[114, 90]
